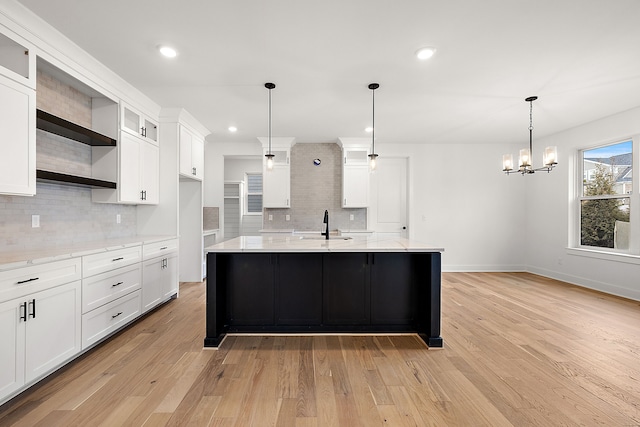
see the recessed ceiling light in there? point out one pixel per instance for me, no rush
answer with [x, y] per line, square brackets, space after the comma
[425, 53]
[167, 51]
[368, 129]
[232, 129]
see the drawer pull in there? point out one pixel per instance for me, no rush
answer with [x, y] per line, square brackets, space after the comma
[116, 315]
[28, 280]
[163, 248]
[117, 259]
[117, 284]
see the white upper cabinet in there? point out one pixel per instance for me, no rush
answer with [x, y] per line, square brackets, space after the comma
[191, 154]
[355, 172]
[135, 123]
[17, 59]
[18, 139]
[355, 186]
[276, 183]
[138, 171]
[17, 118]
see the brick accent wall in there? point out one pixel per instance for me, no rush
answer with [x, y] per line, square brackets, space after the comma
[314, 189]
[67, 214]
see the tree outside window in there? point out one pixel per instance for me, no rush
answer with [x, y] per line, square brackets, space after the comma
[605, 202]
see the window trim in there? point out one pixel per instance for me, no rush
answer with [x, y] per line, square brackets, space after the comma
[631, 255]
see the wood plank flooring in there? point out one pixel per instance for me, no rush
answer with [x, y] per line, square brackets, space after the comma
[520, 350]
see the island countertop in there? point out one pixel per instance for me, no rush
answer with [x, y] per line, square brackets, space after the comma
[306, 243]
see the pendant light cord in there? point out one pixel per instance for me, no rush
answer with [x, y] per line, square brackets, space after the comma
[373, 87]
[269, 120]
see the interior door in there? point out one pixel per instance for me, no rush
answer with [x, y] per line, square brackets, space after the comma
[388, 213]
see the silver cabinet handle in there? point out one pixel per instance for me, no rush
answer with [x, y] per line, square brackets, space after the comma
[24, 307]
[32, 303]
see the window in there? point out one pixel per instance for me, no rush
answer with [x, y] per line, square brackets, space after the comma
[254, 194]
[605, 201]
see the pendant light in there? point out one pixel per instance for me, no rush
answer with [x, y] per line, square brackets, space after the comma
[373, 156]
[550, 158]
[269, 154]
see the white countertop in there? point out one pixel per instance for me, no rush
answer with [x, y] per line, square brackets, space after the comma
[23, 258]
[293, 243]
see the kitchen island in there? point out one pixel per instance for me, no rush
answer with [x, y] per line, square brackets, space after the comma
[304, 284]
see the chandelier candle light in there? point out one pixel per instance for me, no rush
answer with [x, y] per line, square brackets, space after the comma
[373, 156]
[550, 157]
[269, 154]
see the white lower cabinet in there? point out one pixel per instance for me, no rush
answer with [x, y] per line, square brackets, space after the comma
[107, 319]
[40, 332]
[51, 312]
[160, 280]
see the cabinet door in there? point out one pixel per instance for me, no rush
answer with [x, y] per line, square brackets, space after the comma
[53, 329]
[152, 274]
[197, 157]
[346, 289]
[130, 189]
[251, 297]
[131, 120]
[355, 186]
[393, 289]
[12, 349]
[135, 123]
[18, 140]
[150, 173]
[186, 139]
[275, 187]
[299, 289]
[170, 277]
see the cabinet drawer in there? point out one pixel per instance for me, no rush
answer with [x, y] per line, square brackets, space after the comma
[152, 250]
[110, 260]
[106, 287]
[104, 320]
[22, 281]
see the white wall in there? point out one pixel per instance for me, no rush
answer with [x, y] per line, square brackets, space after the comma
[460, 200]
[235, 169]
[552, 211]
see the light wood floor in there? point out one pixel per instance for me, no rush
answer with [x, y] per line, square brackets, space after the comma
[520, 350]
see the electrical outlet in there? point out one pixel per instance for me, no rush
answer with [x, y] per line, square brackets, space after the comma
[350, 217]
[118, 219]
[35, 221]
[287, 217]
[270, 217]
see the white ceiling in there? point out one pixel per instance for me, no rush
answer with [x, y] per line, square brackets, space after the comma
[580, 57]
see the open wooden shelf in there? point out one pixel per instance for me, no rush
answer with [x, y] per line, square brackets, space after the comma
[73, 179]
[56, 125]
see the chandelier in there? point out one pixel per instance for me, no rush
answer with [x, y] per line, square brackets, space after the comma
[550, 157]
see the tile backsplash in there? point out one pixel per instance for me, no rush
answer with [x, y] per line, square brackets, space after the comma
[210, 218]
[67, 214]
[314, 189]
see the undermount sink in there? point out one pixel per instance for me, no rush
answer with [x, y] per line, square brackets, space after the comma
[324, 238]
